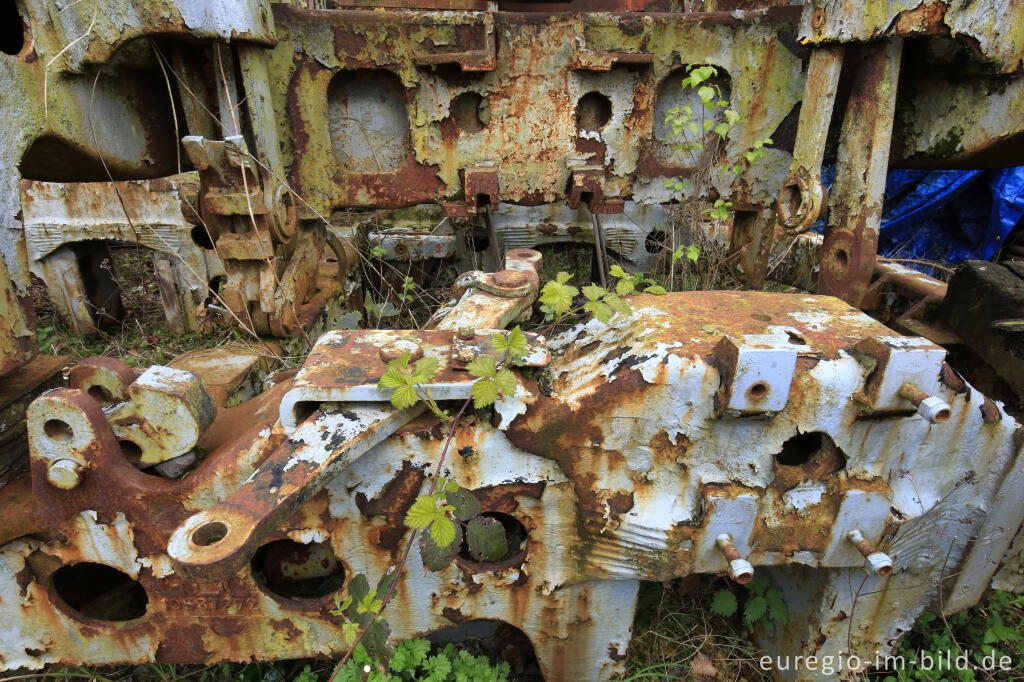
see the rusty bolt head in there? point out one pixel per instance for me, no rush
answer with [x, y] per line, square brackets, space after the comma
[394, 350]
[467, 333]
[65, 474]
[510, 278]
[465, 356]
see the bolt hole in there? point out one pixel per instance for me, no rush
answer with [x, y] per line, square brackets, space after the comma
[796, 339]
[656, 241]
[791, 200]
[131, 451]
[12, 28]
[593, 111]
[761, 317]
[469, 109]
[100, 592]
[842, 258]
[101, 395]
[515, 534]
[295, 570]
[942, 416]
[59, 430]
[209, 534]
[201, 237]
[758, 391]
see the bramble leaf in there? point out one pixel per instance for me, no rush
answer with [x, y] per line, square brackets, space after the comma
[404, 396]
[426, 368]
[484, 392]
[435, 557]
[594, 292]
[486, 539]
[442, 531]
[655, 289]
[482, 366]
[599, 310]
[506, 382]
[465, 504]
[422, 512]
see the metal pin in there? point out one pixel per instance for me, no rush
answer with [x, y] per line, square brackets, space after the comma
[740, 569]
[932, 408]
[878, 563]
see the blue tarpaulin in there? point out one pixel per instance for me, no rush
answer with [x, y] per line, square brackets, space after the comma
[947, 215]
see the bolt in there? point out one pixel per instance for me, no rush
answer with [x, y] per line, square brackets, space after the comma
[65, 474]
[394, 350]
[931, 408]
[740, 569]
[877, 562]
[509, 278]
[467, 333]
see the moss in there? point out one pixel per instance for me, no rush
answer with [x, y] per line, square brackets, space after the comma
[949, 145]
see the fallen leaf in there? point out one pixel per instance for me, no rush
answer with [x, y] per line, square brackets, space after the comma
[703, 667]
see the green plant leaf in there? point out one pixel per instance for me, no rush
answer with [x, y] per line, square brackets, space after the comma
[759, 584]
[422, 512]
[437, 558]
[778, 610]
[404, 396]
[506, 382]
[482, 366]
[392, 379]
[755, 609]
[655, 289]
[624, 287]
[563, 277]
[486, 539]
[693, 252]
[617, 304]
[465, 504]
[350, 631]
[484, 392]
[599, 310]
[369, 603]
[442, 531]
[594, 292]
[558, 296]
[723, 603]
[426, 368]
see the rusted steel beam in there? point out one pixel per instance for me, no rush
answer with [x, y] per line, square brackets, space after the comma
[855, 206]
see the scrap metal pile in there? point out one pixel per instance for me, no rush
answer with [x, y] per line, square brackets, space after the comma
[190, 513]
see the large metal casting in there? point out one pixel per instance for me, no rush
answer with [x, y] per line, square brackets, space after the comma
[271, 154]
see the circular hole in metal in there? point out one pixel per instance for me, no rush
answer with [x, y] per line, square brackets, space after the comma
[201, 237]
[791, 200]
[209, 533]
[131, 450]
[58, 429]
[296, 570]
[942, 416]
[758, 391]
[593, 111]
[12, 28]
[656, 241]
[515, 535]
[466, 110]
[100, 592]
[101, 394]
[842, 258]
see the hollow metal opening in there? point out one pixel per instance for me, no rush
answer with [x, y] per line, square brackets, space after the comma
[209, 533]
[100, 592]
[12, 28]
[58, 429]
[295, 570]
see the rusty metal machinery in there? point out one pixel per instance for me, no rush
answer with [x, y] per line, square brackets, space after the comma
[259, 149]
